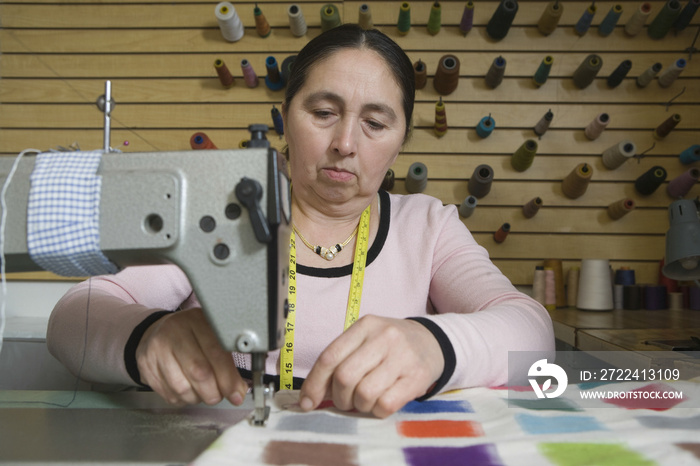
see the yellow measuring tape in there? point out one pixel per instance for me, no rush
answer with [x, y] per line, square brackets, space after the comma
[352, 312]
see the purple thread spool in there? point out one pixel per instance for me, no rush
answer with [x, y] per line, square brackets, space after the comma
[682, 184]
[251, 79]
[654, 297]
[467, 18]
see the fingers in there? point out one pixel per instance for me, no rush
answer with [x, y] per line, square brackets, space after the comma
[182, 360]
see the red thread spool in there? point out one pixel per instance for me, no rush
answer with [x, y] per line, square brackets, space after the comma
[201, 141]
[225, 75]
[447, 75]
[500, 235]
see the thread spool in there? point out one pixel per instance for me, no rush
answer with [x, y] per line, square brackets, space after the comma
[619, 74]
[662, 23]
[594, 286]
[435, 19]
[502, 19]
[417, 178]
[632, 297]
[389, 180]
[297, 23]
[694, 298]
[618, 296]
[440, 119]
[466, 209]
[286, 68]
[522, 158]
[615, 156]
[225, 76]
[550, 292]
[576, 183]
[485, 127]
[675, 301]
[550, 18]
[686, 15]
[479, 185]
[447, 75]
[421, 73]
[585, 21]
[531, 208]
[654, 297]
[201, 141]
[690, 155]
[494, 76]
[500, 235]
[667, 126]
[572, 286]
[229, 23]
[596, 127]
[587, 71]
[556, 266]
[538, 285]
[243, 144]
[625, 276]
[330, 17]
[249, 76]
[365, 17]
[277, 122]
[670, 74]
[273, 79]
[262, 27]
[619, 209]
[650, 180]
[648, 75]
[543, 125]
[542, 73]
[608, 24]
[636, 22]
[681, 185]
[404, 22]
[670, 284]
[465, 25]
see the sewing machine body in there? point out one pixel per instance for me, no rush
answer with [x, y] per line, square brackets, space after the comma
[186, 208]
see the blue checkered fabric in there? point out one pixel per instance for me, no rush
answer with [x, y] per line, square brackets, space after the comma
[63, 215]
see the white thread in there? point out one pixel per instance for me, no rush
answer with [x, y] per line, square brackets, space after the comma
[229, 22]
[3, 222]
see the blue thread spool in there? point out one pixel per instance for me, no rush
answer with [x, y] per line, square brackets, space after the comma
[277, 121]
[543, 70]
[584, 23]
[610, 21]
[273, 80]
[691, 154]
[485, 126]
[624, 276]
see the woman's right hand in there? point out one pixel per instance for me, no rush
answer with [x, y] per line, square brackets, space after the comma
[180, 358]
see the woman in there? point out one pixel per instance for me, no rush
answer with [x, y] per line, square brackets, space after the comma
[435, 313]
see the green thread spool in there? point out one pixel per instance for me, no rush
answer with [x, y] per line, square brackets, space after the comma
[542, 73]
[607, 26]
[667, 126]
[330, 17]
[440, 119]
[435, 19]
[550, 18]
[649, 181]
[417, 178]
[662, 23]
[587, 71]
[494, 76]
[523, 157]
[502, 19]
[421, 73]
[365, 17]
[576, 183]
[404, 22]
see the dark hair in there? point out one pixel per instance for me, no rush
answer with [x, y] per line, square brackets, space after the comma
[353, 36]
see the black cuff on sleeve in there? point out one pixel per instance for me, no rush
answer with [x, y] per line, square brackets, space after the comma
[448, 353]
[133, 342]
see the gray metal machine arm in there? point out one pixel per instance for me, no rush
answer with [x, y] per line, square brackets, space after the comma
[222, 216]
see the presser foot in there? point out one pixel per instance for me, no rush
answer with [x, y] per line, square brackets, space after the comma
[261, 394]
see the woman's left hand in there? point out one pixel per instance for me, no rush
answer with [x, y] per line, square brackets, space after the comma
[377, 366]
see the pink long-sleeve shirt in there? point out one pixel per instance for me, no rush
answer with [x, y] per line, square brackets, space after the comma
[423, 263]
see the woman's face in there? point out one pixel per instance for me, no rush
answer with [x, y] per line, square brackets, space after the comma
[344, 128]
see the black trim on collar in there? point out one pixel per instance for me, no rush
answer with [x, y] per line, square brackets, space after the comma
[374, 250]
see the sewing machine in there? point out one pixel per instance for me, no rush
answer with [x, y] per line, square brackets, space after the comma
[223, 216]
